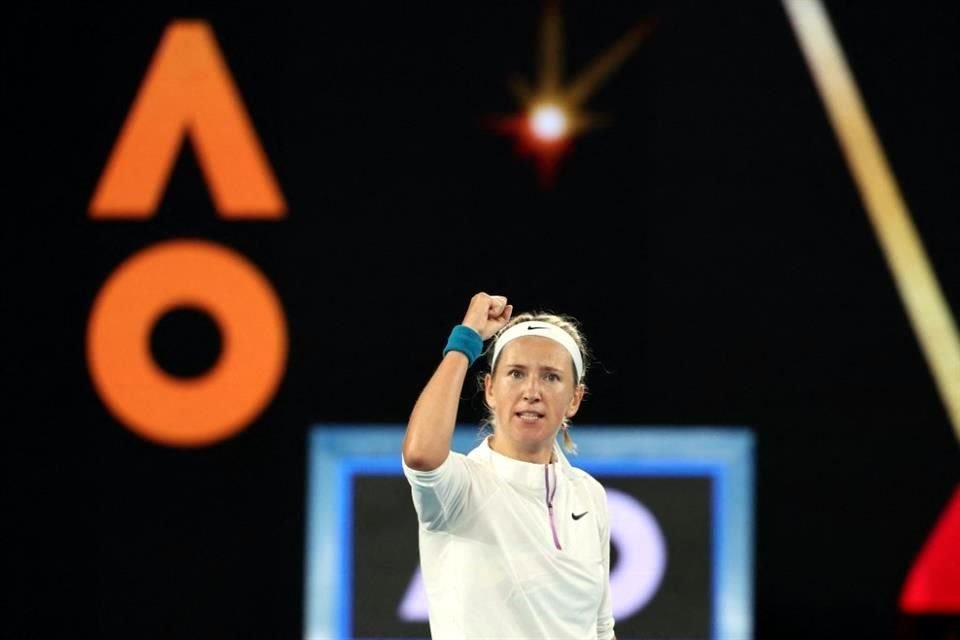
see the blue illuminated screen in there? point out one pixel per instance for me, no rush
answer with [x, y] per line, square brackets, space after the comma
[681, 525]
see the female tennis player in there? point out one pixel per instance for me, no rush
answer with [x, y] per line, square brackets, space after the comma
[514, 540]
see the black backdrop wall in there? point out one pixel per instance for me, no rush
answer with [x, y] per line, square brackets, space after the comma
[709, 238]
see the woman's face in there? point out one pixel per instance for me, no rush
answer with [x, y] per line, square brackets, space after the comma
[531, 391]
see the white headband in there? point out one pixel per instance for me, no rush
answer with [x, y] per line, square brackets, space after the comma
[543, 330]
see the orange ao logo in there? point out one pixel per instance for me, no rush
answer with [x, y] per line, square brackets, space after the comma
[187, 92]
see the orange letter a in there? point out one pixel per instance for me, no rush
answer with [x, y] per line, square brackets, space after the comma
[188, 90]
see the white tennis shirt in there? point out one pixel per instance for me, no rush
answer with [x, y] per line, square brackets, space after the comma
[497, 565]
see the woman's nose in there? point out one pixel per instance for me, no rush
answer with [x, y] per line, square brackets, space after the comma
[532, 389]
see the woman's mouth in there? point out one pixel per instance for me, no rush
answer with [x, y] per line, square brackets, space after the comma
[529, 417]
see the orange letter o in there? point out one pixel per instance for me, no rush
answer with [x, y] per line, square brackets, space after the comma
[224, 400]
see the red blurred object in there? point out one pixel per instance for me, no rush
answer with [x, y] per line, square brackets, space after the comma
[933, 584]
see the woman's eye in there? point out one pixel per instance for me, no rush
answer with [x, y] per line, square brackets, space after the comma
[514, 373]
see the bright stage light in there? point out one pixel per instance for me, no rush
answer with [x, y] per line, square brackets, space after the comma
[548, 122]
[552, 112]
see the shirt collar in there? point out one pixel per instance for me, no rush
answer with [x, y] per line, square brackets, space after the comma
[520, 473]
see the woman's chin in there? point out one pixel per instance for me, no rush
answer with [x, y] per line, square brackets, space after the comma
[532, 434]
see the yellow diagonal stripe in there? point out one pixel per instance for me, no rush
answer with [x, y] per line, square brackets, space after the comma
[915, 279]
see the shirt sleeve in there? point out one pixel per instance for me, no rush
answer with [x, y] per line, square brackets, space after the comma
[439, 495]
[605, 612]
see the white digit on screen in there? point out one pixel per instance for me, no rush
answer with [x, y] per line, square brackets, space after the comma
[640, 566]
[413, 608]
[642, 554]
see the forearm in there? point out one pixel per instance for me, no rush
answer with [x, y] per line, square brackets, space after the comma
[426, 443]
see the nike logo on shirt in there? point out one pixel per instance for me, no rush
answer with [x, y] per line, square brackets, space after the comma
[577, 516]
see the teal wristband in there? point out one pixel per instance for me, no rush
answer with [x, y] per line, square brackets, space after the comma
[466, 341]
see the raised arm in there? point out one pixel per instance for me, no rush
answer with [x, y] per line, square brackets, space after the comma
[430, 428]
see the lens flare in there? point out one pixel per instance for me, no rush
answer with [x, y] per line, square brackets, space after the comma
[548, 122]
[551, 114]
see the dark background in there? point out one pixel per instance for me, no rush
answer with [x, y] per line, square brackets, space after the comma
[709, 239]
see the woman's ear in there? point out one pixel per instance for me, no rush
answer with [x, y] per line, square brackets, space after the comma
[488, 391]
[574, 405]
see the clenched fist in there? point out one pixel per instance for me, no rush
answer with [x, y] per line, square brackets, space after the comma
[487, 314]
